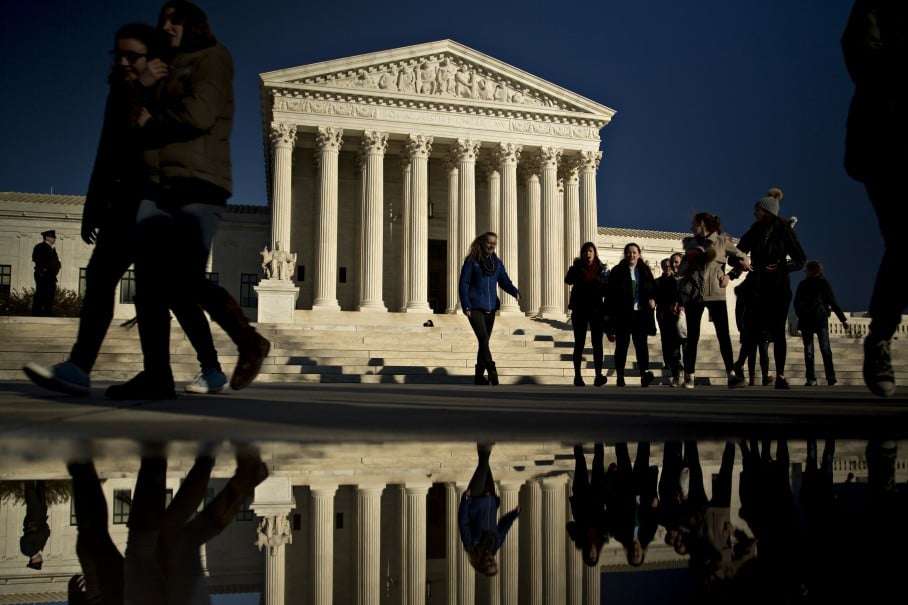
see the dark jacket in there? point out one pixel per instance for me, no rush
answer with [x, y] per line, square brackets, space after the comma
[773, 243]
[479, 290]
[477, 519]
[118, 173]
[586, 295]
[47, 263]
[619, 298]
[666, 295]
[876, 55]
[813, 302]
[192, 117]
[625, 512]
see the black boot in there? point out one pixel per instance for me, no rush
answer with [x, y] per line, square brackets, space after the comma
[479, 378]
[143, 386]
[493, 375]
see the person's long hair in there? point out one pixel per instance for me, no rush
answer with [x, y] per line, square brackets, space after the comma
[197, 32]
[582, 258]
[710, 222]
[475, 252]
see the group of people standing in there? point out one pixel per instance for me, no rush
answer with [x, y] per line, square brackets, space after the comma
[161, 179]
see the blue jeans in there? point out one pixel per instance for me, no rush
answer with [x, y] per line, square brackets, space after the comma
[825, 351]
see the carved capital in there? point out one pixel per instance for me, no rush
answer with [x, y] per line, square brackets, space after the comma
[467, 149]
[590, 160]
[569, 170]
[549, 156]
[375, 143]
[273, 532]
[451, 163]
[529, 167]
[283, 135]
[508, 153]
[419, 145]
[559, 185]
[329, 139]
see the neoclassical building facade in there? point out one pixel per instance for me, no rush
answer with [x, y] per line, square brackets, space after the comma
[384, 167]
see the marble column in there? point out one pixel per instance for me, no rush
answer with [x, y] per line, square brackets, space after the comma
[452, 542]
[589, 220]
[419, 147]
[328, 142]
[572, 241]
[361, 210]
[454, 258]
[509, 565]
[493, 207]
[416, 542]
[466, 150]
[553, 539]
[574, 557]
[531, 545]
[274, 534]
[283, 138]
[508, 155]
[552, 304]
[374, 146]
[466, 575]
[322, 543]
[405, 176]
[592, 585]
[368, 544]
[531, 243]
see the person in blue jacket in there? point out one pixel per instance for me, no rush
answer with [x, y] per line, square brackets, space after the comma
[481, 532]
[480, 277]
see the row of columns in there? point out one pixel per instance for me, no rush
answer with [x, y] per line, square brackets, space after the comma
[553, 571]
[559, 214]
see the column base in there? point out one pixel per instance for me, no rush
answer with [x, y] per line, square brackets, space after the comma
[276, 301]
[552, 314]
[372, 307]
[325, 305]
[417, 307]
[510, 311]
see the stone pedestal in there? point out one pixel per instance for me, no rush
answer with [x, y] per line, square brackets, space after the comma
[276, 301]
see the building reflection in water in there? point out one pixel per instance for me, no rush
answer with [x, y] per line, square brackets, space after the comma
[530, 522]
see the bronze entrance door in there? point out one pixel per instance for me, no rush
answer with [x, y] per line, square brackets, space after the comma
[438, 275]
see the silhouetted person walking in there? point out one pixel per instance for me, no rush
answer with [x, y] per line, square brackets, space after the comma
[587, 277]
[47, 266]
[35, 530]
[813, 303]
[875, 51]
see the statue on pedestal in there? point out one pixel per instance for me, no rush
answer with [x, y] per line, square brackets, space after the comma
[278, 264]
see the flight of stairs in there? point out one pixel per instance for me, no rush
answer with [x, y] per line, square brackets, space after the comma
[391, 348]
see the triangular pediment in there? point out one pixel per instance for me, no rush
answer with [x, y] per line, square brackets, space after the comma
[444, 71]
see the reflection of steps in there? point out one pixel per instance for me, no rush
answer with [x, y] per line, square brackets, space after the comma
[393, 348]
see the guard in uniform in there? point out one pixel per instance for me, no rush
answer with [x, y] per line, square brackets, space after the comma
[47, 266]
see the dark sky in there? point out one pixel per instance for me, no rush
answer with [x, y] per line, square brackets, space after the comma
[716, 100]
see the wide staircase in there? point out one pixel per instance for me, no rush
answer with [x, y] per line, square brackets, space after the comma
[392, 348]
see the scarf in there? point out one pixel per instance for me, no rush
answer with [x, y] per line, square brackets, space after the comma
[488, 264]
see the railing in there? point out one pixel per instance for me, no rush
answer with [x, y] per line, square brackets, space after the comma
[859, 326]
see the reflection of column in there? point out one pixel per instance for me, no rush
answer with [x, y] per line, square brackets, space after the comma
[273, 535]
[405, 171]
[368, 544]
[592, 585]
[572, 241]
[418, 297]
[401, 559]
[466, 151]
[416, 542]
[328, 142]
[508, 154]
[552, 304]
[531, 546]
[374, 146]
[283, 138]
[466, 575]
[574, 558]
[532, 240]
[452, 542]
[454, 258]
[508, 569]
[553, 539]
[589, 227]
[322, 532]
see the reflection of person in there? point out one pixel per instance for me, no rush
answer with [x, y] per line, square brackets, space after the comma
[481, 275]
[633, 501]
[587, 276]
[47, 266]
[35, 530]
[813, 301]
[682, 498]
[481, 532]
[630, 304]
[590, 528]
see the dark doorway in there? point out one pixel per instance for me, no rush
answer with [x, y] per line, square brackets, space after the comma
[438, 275]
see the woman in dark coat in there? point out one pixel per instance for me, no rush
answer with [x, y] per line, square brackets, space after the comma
[774, 253]
[630, 304]
[588, 277]
[813, 302]
[481, 275]
[590, 528]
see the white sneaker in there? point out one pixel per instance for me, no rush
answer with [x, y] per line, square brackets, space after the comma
[676, 381]
[211, 381]
[685, 482]
[688, 381]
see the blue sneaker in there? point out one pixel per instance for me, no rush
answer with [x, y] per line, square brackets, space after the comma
[64, 377]
[208, 381]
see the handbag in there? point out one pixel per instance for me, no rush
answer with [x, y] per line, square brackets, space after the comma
[690, 289]
[682, 325]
